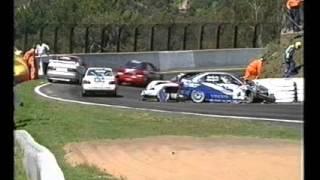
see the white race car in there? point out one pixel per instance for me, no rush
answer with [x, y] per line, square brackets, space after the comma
[65, 68]
[208, 86]
[223, 87]
[98, 79]
[163, 90]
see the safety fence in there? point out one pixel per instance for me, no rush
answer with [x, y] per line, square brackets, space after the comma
[39, 162]
[94, 38]
[284, 89]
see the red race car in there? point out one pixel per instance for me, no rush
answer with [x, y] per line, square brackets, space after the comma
[137, 73]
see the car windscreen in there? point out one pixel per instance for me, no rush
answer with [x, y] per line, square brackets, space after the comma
[99, 72]
[135, 65]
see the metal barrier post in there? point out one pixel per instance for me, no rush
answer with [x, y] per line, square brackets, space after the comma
[201, 35]
[135, 39]
[103, 29]
[119, 38]
[71, 39]
[235, 36]
[169, 36]
[25, 39]
[218, 36]
[55, 47]
[255, 35]
[86, 41]
[152, 38]
[185, 30]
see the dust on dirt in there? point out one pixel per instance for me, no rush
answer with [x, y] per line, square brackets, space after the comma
[190, 158]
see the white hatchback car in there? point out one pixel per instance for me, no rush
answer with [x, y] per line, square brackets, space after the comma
[65, 68]
[99, 79]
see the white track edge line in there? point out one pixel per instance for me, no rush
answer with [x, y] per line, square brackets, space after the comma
[37, 90]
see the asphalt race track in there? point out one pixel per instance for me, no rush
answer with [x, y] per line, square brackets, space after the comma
[130, 96]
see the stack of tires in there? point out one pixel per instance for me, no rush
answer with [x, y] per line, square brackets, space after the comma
[284, 89]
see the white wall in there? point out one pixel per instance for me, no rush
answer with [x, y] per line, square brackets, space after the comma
[39, 162]
[284, 89]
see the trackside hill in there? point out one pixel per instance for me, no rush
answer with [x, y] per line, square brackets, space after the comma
[275, 53]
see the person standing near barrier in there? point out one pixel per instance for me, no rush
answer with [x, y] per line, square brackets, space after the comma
[293, 7]
[255, 69]
[30, 58]
[289, 62]
[42, 50]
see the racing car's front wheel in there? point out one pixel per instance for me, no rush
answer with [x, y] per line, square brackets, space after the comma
[163, 96]
[197, 96]
[83, 93]
[250, 97]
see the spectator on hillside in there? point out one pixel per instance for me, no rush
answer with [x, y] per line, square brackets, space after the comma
[290, 65]
[294, 7]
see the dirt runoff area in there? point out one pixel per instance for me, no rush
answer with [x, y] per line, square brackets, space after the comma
[189, 158]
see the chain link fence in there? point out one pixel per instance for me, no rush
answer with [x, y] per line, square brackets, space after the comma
[95, 38]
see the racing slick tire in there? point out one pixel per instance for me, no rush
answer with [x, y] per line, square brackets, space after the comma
[163, 96]
[83, 93]
[267, 99]
[197, 96]
[249, 98]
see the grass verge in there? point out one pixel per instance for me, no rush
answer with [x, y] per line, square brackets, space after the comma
[54, 124]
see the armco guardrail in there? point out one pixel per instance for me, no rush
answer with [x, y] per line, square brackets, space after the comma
[285, 89]
[178, 60]
[39, 162]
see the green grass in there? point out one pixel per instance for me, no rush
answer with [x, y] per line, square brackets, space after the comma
[54, 124]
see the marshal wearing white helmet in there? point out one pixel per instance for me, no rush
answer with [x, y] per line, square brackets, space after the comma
[290, 65]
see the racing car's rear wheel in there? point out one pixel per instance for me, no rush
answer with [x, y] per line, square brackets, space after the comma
[197, 96]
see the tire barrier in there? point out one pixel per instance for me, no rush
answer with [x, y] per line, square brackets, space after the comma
[284, 89]
[38, 161]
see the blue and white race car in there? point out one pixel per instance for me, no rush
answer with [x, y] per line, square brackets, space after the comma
[222, 87]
